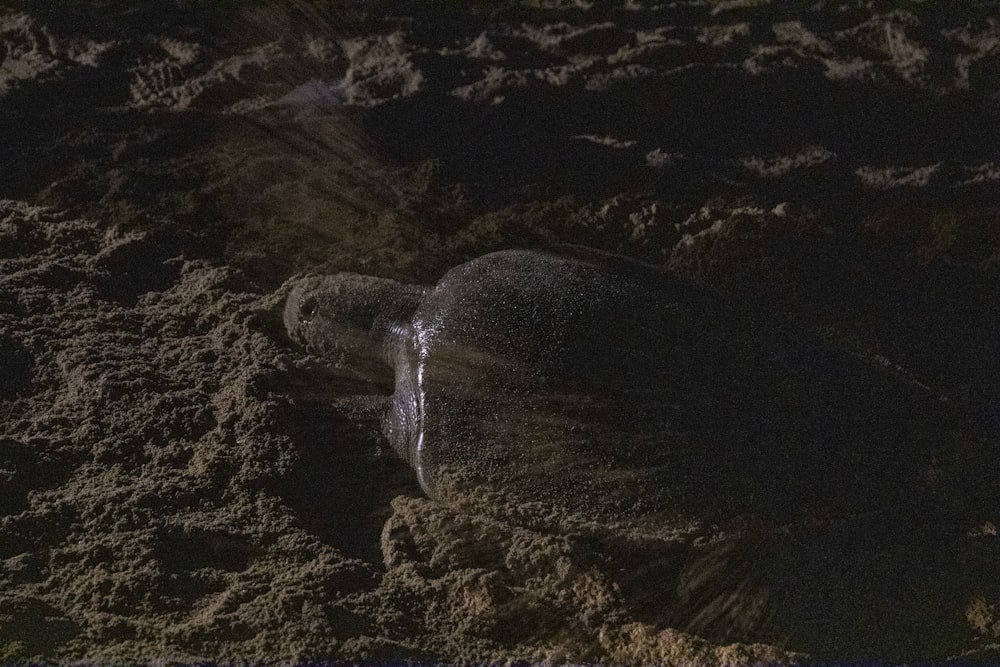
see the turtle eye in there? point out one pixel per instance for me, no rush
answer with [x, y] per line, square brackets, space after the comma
[308, 309]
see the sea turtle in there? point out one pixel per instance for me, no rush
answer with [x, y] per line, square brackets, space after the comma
[611, 389]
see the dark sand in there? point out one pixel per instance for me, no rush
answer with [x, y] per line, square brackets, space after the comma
[178, 482]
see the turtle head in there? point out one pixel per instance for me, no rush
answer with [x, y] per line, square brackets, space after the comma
[350, 320]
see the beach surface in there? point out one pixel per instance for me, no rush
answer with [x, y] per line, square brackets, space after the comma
[180, 482]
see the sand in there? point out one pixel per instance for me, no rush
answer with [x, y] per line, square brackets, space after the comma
[180, 482]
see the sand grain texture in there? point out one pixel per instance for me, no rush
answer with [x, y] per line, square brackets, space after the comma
[178, 482]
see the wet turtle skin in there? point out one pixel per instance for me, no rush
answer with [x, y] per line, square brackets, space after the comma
[611, 390]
